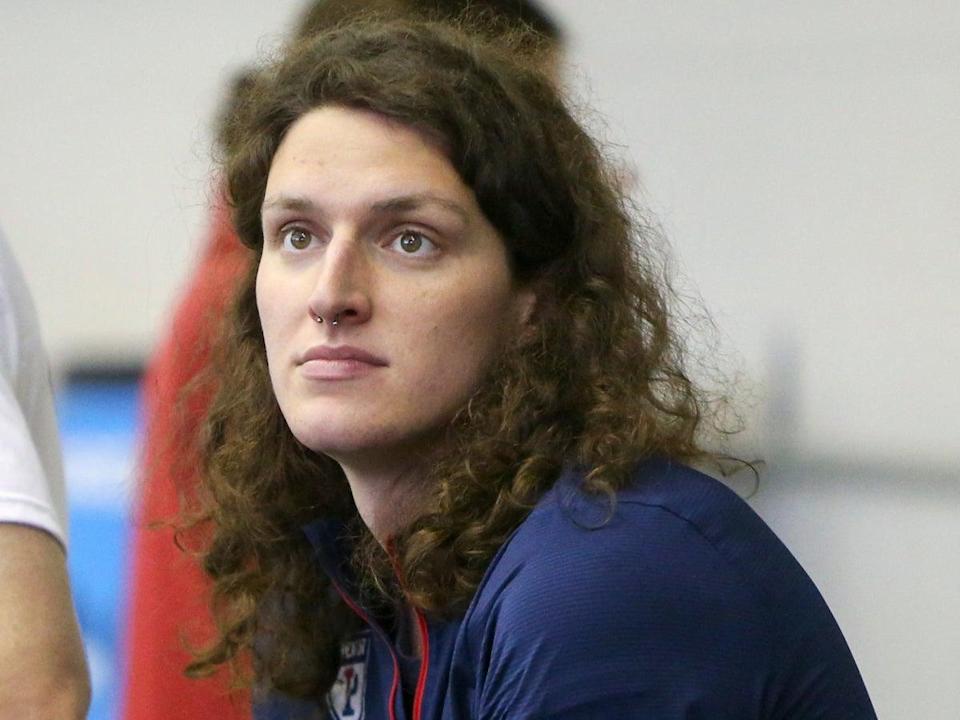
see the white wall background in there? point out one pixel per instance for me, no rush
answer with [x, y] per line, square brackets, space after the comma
[804, 159]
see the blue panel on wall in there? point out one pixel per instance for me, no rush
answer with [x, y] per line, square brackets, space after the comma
[98, 422]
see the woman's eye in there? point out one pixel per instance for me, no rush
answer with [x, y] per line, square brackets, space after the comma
[297, 238]
[412, 242]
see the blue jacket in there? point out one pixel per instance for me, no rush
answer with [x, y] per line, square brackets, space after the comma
[682, 604]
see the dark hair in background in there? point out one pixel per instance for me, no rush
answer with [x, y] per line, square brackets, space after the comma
[497, 14]
[493, 16]
[601, 385]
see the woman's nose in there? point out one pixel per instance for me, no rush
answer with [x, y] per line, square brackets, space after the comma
[341, 294]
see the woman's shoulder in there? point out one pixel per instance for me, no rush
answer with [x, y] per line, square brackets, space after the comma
[677, 554]
[677, 590]
[670, 527]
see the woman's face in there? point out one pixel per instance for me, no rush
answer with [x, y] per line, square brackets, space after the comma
[368, 226]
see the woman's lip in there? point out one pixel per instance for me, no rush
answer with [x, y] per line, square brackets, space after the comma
[346, 369]
[341, 353]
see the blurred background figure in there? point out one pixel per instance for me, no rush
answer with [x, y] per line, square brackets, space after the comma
[167, 612]
[43, 673]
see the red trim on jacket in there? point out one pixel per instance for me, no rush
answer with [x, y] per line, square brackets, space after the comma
[424, 665]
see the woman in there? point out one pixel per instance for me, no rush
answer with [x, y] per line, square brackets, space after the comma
[166, 588]
[445, 461]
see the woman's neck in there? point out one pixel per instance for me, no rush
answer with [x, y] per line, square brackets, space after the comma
[387, 501]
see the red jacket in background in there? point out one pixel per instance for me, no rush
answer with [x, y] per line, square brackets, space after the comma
[168, 592]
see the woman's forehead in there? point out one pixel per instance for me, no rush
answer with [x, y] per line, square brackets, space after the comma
[338, 152]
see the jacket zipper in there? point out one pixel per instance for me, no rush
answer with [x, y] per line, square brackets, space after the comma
[393, 656]
[424, 639]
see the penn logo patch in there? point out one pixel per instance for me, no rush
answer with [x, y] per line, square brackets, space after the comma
[347, 694]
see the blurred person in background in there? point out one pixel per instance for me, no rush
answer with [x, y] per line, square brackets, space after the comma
[447, 465]
[166, 612]
[43, 672]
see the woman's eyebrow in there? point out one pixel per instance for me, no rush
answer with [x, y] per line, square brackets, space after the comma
[288, 202]
[400, 203]
[412, 202]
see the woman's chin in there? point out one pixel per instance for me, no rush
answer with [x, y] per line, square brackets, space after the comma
[365, 449]
[340, 444]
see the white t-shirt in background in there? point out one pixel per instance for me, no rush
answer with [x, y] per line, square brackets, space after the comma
[32, 488]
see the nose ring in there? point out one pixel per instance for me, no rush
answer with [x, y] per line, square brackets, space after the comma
[334, 322]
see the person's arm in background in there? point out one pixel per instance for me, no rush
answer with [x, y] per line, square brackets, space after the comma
[43, 672]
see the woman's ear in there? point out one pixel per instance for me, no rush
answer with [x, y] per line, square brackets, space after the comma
[528, 302]
[524, 306]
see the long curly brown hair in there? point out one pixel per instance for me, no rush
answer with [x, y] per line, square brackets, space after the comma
[601, 385]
